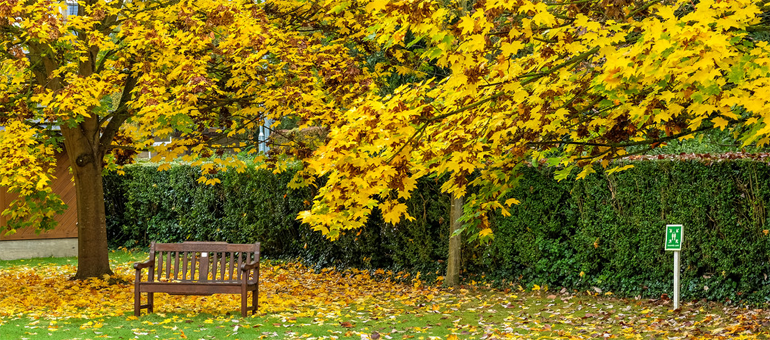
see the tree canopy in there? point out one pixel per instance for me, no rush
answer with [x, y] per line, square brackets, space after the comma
[567, 83]
[487, 87]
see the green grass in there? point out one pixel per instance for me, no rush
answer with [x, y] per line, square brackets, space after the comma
[116, 256]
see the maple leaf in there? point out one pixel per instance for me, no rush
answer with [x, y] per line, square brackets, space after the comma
[720, 122]
[377, 5]
[392, 213]
[486, 232]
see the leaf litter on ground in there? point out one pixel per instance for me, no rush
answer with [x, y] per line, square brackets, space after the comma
[39, 300]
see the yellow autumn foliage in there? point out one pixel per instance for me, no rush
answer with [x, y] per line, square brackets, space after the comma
[466, 90]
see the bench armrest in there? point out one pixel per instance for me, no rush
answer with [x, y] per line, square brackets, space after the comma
[249, 266]
[145, 264]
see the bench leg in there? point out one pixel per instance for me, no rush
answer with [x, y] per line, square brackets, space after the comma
[137, 302]
[255, 293]
[244, 295]
[150, 302]
[254, 301]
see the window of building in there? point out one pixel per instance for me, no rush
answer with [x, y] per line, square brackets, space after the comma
[72, 9]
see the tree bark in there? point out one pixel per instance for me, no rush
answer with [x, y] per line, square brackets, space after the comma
[455, 244]
[85, 154]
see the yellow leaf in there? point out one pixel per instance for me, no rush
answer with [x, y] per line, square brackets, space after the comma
[393, 214]
[510, 201]
[619, 169]
[720, 122]
[467, 24]
[486, 232]
[589, 169]
[41, 183]
[511, 48]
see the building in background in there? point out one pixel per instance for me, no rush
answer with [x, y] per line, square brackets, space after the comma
[59, 242]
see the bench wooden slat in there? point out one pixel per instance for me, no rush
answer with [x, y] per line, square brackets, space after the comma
[203, 267]
[176, 266]
[221, 266]
[240, 262]
[231, 266]
[194, 265]
[214, 265]
[206, 247]
[200, 283]
[168, 265]
[160, 264]
[192, 289]
[184, 266]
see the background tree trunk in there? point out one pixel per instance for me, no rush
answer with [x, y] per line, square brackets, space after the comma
[455, 243]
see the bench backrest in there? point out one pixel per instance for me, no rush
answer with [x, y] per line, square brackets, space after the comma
[200, 261]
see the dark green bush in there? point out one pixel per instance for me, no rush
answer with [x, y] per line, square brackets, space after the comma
[605, 231]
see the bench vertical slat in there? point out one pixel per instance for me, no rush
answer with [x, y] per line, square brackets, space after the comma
[194, 266]
[176, 265]
[203, 268]
[240, 262]
[159, 264]
[222, 266]
[214, 265]
[231, 265]
[168, 265]
[247, 259]
[184, 266]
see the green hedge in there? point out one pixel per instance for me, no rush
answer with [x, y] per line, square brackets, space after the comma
[611, 228]
[146, 205]
[603, 231]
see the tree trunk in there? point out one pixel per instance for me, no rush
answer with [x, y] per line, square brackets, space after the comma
[455, 244]
[85, 154]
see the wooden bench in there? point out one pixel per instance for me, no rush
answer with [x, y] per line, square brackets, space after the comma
[199, 268]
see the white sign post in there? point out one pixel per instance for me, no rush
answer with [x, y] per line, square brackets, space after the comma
[673, 242]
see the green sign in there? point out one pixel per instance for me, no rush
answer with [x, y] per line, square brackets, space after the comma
[674, 237]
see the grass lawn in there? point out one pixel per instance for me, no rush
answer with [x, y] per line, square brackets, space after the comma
[37, 301]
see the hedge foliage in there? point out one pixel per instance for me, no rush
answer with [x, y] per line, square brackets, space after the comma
[605, 231]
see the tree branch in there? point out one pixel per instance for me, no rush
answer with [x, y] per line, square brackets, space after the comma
[624, 145]
[121, 113]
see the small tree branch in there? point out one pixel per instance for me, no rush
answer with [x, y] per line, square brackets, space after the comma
[121, 113]
[624, 145]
